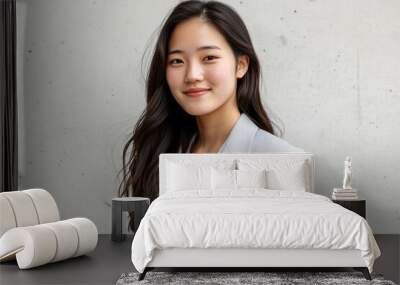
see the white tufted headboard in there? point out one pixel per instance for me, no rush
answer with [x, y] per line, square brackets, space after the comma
[227, 159]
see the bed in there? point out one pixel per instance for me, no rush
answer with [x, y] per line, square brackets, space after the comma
[247, 211]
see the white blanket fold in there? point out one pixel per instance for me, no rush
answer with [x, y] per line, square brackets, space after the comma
[251, 218]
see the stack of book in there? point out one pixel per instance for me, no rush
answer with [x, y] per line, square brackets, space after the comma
[344, 194]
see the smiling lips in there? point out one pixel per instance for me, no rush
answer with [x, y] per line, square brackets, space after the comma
[194, 92]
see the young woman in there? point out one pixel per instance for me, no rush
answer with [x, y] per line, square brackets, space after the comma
[202, 95]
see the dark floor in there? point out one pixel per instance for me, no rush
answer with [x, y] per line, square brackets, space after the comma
[102, 266]
[110, 260]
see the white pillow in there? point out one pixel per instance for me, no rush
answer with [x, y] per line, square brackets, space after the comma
[229, 179]
[181, 177]
[252, 178]
[282, 174]
[293, 179]
[223, 179]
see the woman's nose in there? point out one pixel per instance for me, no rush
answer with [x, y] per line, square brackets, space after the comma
[194, 72]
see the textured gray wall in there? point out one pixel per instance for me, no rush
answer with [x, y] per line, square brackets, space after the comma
[331, 73]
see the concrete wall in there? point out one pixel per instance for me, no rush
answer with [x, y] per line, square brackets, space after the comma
[331, 74]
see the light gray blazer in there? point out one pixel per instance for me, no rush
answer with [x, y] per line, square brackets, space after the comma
[246, 137]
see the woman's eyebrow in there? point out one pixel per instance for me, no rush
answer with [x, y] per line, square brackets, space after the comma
[200, 48]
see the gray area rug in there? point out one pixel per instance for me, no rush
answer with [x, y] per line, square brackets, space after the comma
[273, 278]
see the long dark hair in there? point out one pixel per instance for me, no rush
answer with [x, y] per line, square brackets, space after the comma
[164, 127]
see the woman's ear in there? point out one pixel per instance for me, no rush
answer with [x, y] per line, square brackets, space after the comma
[242, 65]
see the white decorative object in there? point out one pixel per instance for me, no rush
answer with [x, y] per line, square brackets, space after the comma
[31, 231]
[347, 173]
[346, 192]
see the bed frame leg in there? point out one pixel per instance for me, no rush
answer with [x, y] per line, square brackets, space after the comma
[364, 271]
[143, 274]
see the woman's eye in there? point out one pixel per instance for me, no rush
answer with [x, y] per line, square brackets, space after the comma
[172, 61]
[211, 56]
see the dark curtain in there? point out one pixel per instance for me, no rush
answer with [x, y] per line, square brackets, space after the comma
[8, 99]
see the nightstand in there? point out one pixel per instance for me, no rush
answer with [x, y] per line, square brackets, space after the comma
[357, 206]
[137, 205]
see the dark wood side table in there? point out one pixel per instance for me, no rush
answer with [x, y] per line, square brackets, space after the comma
[357, 206]
[137, 205]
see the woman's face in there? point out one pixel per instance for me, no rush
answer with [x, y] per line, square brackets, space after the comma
[200, 57]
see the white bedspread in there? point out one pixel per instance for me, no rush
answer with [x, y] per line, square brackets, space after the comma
[250, 219]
